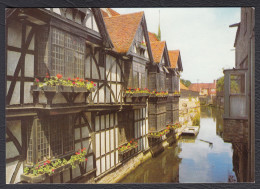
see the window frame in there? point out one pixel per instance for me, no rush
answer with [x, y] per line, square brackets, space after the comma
[46, 126]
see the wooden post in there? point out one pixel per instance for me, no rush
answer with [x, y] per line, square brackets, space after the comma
[226, 94]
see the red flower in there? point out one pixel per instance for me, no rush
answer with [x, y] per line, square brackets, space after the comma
[53, 170]
[59, 76]
[130, 142]
[94, 84]
[48, 161]
[47, 76]
[86, 80]
[135, 89]
[84, 148]
[44, 164]
[77, 78]
[86, 159]
[69, 79]
[81, 80]
[47, 73]
[129, 88]
[73, 82]
[37, 80]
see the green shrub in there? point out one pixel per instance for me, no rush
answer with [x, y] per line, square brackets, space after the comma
[196, 120]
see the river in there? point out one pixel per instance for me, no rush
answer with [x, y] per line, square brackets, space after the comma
[202, 159]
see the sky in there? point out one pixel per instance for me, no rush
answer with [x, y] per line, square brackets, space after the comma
[202, 35]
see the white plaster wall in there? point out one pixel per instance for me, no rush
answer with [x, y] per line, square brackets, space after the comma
[28, 29]
[111, 120]
[11, 150]
[20, 171]
[95, 28]
[101, 95]
[16, 94]
[103, 143]
[77, 134]
[28, 97]
[113, 87]
[98, 167]
[112, 159]
[102, 122]
[108, 161]
[108, 59]
[103, 164]
[14, 34]
[57, 10]
[113, 71]
[10, 167]
[90, 163]
[97, 123]
[102, 69]
[118, 92]
[12, 61]
[87, 67]
[89, 23]
[85, 132]
[78, 19]
[94, 71]
[107, 142]
[107, 120]
[111, 139]
[107, 95]
[15, 128]
[118, 73]
[116, 156]
[97, 145]
[116, 135]
[42, 98]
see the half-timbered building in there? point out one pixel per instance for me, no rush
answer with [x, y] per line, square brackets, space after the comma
[111, 50]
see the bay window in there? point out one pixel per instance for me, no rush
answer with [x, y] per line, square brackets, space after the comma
[60, 52]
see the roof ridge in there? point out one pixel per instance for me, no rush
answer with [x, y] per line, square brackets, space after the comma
[124, 14]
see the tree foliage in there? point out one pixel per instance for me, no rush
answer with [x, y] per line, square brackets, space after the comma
[234, 86]
[187, 83]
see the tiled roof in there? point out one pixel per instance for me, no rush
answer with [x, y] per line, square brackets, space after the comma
[152, 37]
[174, 56]
[183, 87]
[108, 12]
[198, 86]
[122, 30]
[157, 50]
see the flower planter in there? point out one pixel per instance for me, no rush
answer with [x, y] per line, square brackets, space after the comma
[136, 98]
[123, 155]
[60, 88]
[30, 178]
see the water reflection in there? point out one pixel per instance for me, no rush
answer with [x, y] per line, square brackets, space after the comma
[204, 158]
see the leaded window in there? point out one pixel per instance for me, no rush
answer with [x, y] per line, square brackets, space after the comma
[66, 50]
[50, 138]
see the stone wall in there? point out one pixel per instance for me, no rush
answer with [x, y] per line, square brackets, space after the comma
[235, 130]
[189, 93]
[172, 108]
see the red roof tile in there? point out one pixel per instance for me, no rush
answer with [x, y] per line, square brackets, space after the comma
[174, 56]
[108, 12]
[157, 50]
[122, 30]
[152, 37]
[198, 86]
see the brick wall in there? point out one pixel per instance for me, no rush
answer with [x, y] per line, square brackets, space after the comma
[235, 130]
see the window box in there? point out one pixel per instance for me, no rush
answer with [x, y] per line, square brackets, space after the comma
[60, 88]
[123, 155]
[30, 178]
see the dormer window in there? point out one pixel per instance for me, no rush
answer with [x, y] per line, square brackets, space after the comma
[69, 14]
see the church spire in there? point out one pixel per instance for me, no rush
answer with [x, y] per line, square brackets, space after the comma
[159, 29]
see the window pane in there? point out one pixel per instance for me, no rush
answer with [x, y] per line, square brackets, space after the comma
[56, 134]
[42, 140]
[68, 135]
[237, 84]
